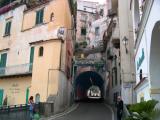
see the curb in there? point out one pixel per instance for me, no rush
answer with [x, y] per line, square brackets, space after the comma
[67, 111]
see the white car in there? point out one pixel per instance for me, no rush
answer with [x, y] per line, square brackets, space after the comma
[94, 92]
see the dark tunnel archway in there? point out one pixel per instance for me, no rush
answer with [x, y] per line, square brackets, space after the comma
[84, 81]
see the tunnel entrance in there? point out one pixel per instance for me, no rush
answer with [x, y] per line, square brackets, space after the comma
[88, 85]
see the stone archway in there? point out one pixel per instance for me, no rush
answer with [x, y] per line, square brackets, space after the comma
[84, 81]
[155, 62]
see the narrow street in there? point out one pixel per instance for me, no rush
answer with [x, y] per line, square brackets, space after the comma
[89, 111]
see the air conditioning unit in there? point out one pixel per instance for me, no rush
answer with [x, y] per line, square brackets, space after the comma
[61, 33]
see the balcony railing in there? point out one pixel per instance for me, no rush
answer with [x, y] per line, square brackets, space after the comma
[16, 70]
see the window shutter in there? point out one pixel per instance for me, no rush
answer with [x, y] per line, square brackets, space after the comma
[41, 16]
[3, 60]
[31, 54]
[37, 17]
[1, 97]
[6, 29]
[9, 27]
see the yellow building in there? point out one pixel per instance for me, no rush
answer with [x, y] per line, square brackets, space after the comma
[34, 59]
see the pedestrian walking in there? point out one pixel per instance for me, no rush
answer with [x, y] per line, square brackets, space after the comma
[119, 108]
[31, 107]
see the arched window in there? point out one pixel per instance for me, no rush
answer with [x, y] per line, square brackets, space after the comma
[41, 51]
[37, 98]
[52, 16]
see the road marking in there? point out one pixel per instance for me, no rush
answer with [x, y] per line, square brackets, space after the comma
[64, 113]
[110, 110]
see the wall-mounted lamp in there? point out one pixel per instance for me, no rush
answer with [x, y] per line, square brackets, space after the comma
[125, 42]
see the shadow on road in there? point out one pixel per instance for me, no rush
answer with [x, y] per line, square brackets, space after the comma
[90, 101]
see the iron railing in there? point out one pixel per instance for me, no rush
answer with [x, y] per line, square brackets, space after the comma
[16, 70]
[16, 112]
[21, 112]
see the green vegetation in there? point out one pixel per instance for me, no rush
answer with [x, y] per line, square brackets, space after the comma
[144, 111]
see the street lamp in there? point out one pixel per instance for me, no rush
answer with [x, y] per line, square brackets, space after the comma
[125, 42]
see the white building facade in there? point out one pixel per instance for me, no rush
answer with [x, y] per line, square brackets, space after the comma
[147, 50]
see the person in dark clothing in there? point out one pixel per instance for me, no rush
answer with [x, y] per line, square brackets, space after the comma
[119, 108]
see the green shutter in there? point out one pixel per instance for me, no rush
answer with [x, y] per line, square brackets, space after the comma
[3, 60]
[6, 29]
[31, 58]
[31, 54]
[1, 97]
[9, 27]
[37, 17]
[41, 16]
[27, 95]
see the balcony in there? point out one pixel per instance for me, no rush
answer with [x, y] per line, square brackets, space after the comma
[17, 70]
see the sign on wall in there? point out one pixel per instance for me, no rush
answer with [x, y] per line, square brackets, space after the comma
[141, 59]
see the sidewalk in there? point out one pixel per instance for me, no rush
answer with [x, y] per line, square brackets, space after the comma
[70, 109]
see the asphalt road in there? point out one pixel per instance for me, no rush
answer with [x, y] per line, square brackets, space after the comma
[89, 111]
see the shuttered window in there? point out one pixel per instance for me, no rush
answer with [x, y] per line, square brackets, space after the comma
[83, 31]
[31, 58]
[41, 51]
[3, 60]
[1, 97]
[31, 55]
[39, 16]
[8, 28]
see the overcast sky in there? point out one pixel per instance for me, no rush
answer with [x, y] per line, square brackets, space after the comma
[100, 1]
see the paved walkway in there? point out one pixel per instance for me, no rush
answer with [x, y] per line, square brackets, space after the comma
[88, 111]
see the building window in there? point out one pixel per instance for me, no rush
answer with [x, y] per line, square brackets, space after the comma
[84, 17]
[41, 51]
[37, 98]
[83, 31]
[101, 12]
[52, 16]
[7, 28]
[31, 58]
[140, 74]
[39, 16]
[3, 60]
[97, 31]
